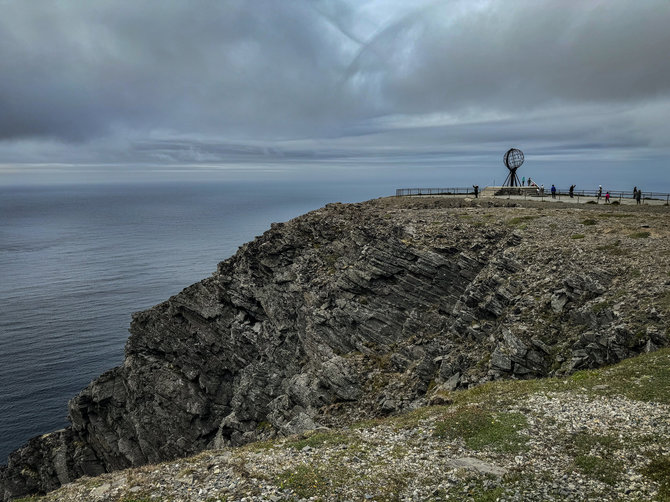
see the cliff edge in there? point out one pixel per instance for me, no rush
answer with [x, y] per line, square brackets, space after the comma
[362, 310]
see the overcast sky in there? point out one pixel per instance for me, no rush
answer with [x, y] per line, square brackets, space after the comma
[295, 82]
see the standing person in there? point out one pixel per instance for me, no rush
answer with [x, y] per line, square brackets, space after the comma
[476, 189]
[553, 191]
[529, 181]
[638, 196]
[572, 190]
[523, 181]
[634, 192]
[607, 197]
[600, 192]
[542, 190]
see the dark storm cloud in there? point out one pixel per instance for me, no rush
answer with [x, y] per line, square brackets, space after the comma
[185, 81]
[76, 69]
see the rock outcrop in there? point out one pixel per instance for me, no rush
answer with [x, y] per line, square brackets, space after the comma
[360, 310]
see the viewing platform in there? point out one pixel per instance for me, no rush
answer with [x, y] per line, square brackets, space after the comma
[536, 193]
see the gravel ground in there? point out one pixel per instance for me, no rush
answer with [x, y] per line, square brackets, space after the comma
[574, 444]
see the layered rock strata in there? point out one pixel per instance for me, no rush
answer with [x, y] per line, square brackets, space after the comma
[359, 310]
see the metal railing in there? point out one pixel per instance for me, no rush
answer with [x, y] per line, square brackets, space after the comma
[615, 195]
[434, 191]
[536, 192]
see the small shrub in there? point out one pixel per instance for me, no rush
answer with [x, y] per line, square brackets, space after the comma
[639, 235]
[577, 236]
[589, 221]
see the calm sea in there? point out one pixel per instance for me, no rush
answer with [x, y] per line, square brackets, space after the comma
[76, 261]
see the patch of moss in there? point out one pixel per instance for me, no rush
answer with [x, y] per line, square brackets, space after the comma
[664, 301]
[330, 260]
[600, 306]
[658, 470]
[480, 428]
[603, 469]
[613, 249]
[594, 456]
[616, 215]
[306, 480]
[612, 380]
[519, 219]
[320, 439]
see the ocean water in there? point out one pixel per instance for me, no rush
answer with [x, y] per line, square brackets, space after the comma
[76, 261]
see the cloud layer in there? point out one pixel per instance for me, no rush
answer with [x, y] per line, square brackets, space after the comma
[200, 81]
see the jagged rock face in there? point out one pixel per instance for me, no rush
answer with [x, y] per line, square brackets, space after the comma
[348, 311]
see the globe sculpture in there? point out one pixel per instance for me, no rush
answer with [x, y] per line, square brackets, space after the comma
[513, 159]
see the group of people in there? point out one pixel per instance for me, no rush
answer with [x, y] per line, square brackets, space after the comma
[637, 194]
[531, 183]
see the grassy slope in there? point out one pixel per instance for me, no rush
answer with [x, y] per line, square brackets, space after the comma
[500, 423]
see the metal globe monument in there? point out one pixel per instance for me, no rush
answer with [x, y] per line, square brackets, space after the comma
[513, 159]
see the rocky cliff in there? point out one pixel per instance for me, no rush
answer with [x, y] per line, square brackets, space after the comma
[361, 310]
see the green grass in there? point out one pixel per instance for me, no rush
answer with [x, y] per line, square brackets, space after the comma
[322, 480]
[320, 439]
[480, 429]
[520, 219]
[600, 468]
[639, 235]
[306, 480]
[658, 470]
[589, 221]
[600, 306]
[664, 301]
[577, 236]
[613, 249]
[643, 378]
[594, 456]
